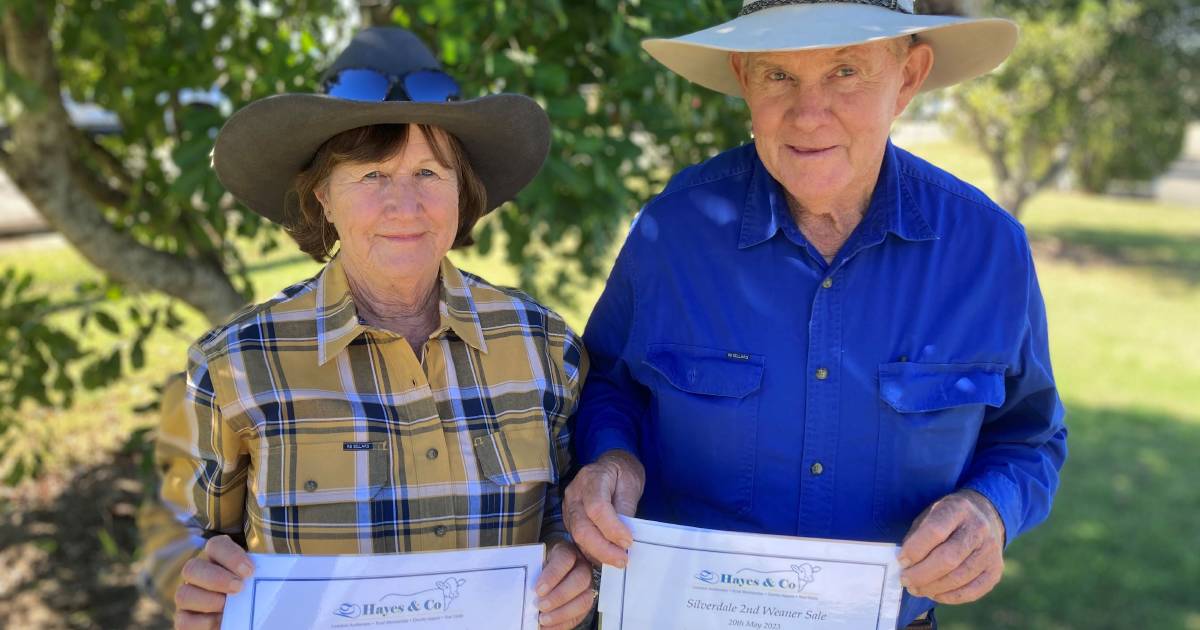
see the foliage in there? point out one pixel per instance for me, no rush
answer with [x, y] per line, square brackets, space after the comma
[622, 122]
[1093, 87]
[171, 72]
[49, 358]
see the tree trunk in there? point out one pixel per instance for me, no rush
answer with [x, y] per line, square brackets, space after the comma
[1011, 195]
[41, 162]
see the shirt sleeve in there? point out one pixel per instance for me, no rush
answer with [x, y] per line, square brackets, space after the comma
[166, 543]
[203, 461]
[574, 373]
[1022, 444]
[613, 402]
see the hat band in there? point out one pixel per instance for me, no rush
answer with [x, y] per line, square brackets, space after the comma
[903, 6]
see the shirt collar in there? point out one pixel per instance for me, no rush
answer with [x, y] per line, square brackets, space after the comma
[338, 323]
[458, 309]
[890, 210]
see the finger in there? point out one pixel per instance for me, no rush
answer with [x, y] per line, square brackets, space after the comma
[558, 564]
[598, 492]
[568, 616]
[196, 621]
[627, 494]
[579, 580]
[592, 543]
[979, 561]
[195, 599]
[604, 516]
[980, 586]
[943, 559]
[932, 528]
[230, 555]
[206, 575]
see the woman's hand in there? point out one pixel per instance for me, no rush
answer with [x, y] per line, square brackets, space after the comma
[218, 571]
[565, 594]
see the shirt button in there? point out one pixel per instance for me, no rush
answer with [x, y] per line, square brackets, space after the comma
[827, 284]
[439, 531]
[310, 485]
[817, 468]
[822, 374]
[431, 453]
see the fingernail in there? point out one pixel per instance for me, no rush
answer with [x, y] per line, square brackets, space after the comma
[236, 585]
[904, 561]
[904, 582]
[245, 569]
[542, 590]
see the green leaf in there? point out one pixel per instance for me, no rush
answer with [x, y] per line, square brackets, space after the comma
[107, 322]
[137, 356]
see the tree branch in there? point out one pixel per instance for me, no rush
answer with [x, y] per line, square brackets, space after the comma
[42, 144]
[994, 152]
[110, 163]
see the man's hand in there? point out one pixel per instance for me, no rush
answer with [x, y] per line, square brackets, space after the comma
[609, 486]
[565, 595]
[218, 571]
[954, 552]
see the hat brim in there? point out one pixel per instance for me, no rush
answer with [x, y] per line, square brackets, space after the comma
[263, 146]
[963, 48]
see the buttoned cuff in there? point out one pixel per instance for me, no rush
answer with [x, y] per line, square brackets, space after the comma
[607, 439]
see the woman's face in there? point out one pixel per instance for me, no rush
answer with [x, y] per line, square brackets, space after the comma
[396, 218]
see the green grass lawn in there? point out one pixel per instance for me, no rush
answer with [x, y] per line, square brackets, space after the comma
[1122, 285]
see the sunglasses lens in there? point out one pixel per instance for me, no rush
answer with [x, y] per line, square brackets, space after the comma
[358, 85]
[430, 86]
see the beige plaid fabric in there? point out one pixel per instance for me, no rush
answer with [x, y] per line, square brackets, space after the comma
[307, 431]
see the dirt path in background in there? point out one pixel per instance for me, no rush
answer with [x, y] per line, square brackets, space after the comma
[66, 547]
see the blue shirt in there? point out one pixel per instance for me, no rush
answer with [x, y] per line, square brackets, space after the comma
[766, 390]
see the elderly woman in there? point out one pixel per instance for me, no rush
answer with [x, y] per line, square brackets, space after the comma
[391, 403]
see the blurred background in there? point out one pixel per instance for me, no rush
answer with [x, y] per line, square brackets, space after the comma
[118, 247]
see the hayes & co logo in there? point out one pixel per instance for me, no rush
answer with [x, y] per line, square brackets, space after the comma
[788, 581]
[431, 600]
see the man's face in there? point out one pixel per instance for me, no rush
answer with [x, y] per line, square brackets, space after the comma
[821, 118]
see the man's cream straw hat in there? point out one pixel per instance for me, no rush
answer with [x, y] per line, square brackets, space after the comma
[963, 48]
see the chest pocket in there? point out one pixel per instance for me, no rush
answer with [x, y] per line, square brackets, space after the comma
[517, 462]
[320, 483]
[917, 388]
[705, 426]
[929, 420]
[516, 454]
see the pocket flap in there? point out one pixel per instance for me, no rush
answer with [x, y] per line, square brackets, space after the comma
[917, 387]
[706, 371]
[318, 473]
[515, 455]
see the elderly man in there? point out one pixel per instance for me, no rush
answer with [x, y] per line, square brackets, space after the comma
[820, 334]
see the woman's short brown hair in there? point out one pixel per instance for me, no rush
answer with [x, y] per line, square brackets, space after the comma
[316, 235]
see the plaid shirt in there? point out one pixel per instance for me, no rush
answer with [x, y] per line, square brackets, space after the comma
[308, 431]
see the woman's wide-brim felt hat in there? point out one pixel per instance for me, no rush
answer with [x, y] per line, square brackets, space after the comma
[963, 48]
[263, 147]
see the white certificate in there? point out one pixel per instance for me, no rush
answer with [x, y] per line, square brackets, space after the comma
[683, 577]
[477, 589]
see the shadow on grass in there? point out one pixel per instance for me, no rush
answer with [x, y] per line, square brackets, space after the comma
[68, 545]
[1175, 255]
[1120, 547]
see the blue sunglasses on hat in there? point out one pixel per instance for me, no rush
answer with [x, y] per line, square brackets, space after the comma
[365, 84]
